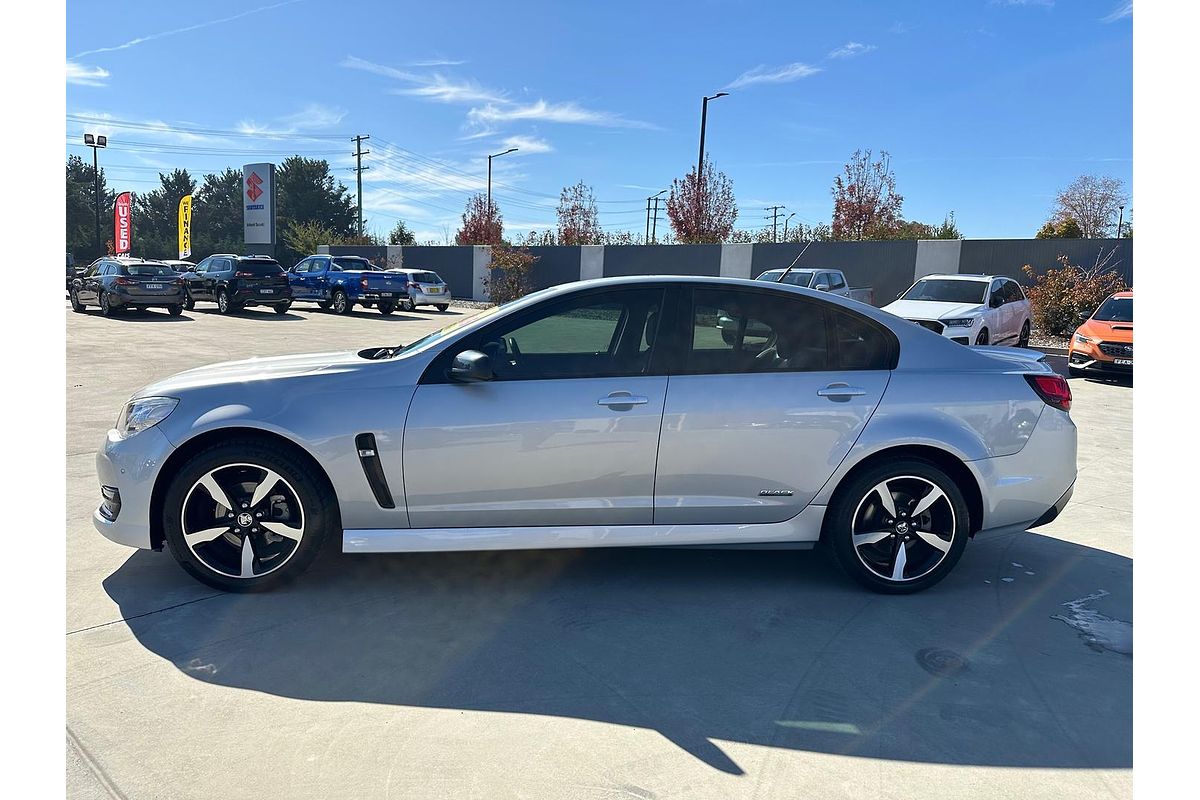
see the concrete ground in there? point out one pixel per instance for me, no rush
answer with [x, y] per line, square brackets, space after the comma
[586, 674]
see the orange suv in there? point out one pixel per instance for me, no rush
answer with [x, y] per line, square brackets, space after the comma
[1103, 344]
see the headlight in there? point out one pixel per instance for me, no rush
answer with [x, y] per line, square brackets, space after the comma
[962, 322]
[1081, 339]
[143, 413]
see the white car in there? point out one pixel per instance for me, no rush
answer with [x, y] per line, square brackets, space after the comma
[968, 309]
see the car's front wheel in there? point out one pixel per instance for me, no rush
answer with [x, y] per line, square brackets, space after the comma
[982, 338]
[188, 302]
[246, 516]
[898, 527]
[1023, 339]
[76, 306]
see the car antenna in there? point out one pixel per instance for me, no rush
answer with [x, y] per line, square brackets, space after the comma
[789, 267]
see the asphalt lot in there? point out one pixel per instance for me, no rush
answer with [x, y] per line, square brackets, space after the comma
[586, 674]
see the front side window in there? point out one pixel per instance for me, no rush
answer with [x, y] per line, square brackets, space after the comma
[734, 332]
[835, 281]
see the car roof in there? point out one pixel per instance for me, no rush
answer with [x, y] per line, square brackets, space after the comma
[800, 269]
[963, 277]
[1123, 293]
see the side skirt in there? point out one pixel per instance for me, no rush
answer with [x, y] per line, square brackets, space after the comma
[801, 531]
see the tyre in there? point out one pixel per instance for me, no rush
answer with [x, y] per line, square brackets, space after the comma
[106, 305]
[386, 308]
[323, 304]
[340, 302]
[408, 305]
[76, 306]
[982, 338]
[246, 516]
[175, 310]
[442, 306]
[282, 308]
[1074, 372]
[224, 304]
[188, 302]
[898, 527]
[368, 303]
[1023, 339]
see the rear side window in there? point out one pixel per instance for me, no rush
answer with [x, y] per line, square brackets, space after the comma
[736, 332]
[260, 268]
[859, 344]
[354, 264]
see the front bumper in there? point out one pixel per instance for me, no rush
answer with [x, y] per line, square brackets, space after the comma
[1080, 360]
[130, 466]
[959, 334]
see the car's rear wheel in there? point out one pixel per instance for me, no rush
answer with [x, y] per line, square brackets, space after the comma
[341, 303]
[282, 308]
[246, 516]
[1023, 339]
[76, 306]
[106, 305]
[982, 338]
[386, 308]
[175, 310]
[442, 306]
[898, 527]
[224, 304]
[323, 304]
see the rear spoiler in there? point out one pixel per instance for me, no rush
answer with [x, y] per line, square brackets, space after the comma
[1019, 357]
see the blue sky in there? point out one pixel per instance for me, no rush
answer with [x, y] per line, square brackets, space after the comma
[987, 106]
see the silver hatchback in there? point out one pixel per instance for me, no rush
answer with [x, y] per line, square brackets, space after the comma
[615, 412]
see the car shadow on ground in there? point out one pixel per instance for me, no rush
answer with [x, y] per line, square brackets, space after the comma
[998, 665]
[147, 315]
[255, 313]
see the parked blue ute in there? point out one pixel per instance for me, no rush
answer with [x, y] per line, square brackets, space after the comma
[341, 282]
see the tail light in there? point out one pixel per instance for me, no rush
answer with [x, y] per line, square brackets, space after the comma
[363, 282]
[1053, 389]
[179, 281]
[122, 281]
[243, 274]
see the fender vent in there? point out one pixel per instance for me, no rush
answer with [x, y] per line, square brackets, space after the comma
[373, 469]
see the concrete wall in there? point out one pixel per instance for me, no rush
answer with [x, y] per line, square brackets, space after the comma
[889, 267]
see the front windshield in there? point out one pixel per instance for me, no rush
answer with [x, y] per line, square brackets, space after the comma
[947, 291]
[1115, 309]
[443, 332]
[797, 277]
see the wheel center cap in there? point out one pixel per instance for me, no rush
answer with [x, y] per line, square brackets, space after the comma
[244, 520]
[902, 527]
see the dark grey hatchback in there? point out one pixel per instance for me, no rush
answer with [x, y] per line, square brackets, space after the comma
[118, 283]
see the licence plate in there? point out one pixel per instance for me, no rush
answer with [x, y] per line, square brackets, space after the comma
[385, 294]
[266, 291]
[433, 290]
[1123, 362]
[154, 286]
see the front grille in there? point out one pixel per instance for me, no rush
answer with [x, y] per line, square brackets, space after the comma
[1117, 349]
[936, 327]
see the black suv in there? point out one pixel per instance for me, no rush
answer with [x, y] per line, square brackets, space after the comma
[237, 282]
[116, 283]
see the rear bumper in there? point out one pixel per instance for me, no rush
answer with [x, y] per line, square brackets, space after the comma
[252, 297]
[143, 300]
[1032, 486]
[425, 299]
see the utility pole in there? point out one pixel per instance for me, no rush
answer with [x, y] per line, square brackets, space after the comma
[358, 169]
[96, 142]
[651, 229]
[774, 221]
[648, 199]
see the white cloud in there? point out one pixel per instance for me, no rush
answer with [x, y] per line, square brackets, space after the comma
[528, 144]
[83, 75]
[437, 62]
[434, 86]
[764, 74]
[197, 26]
[1120, 12]
[851, 49]
[567, 113]
[1046, 3]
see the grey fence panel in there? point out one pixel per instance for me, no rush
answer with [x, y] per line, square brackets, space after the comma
[662, 259]
[1009, 256]
[454, 264]
[554, 265]
[887, 267]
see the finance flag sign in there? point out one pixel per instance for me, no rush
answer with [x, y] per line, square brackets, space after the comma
[258, 203]
[122, 227]
[185, 226]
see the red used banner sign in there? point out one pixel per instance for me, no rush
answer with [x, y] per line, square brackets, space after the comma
[122, 230]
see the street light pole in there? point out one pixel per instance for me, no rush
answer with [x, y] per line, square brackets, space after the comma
[1120, 221]
[489, 197]
[785, 224]
[96, 142]
[700, 161]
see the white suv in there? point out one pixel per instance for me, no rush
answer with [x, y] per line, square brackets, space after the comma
[968, 309]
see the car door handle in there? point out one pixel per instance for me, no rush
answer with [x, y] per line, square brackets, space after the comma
[624, 399]
[841, 390]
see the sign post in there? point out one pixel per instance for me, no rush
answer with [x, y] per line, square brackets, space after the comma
[122, 227]
[185, 226]
[258, 207]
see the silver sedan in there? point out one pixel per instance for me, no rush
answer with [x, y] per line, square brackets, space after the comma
[652, 411]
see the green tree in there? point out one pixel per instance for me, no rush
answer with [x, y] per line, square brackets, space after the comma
[81, 211]
[702, 209]
[306, 237]
[401, 234]
[217, 215]
[156, 215]
[865, 202]
[1065, 228]
[306, 191]
[480, 224]
[578, 222]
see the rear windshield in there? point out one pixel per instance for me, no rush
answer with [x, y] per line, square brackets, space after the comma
[260, 267]
[426, 277]
[355, 264]
[1115, 309]
[946, 291]
[148, 270]
[796, 277]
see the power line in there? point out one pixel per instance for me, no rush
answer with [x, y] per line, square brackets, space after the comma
[149, 126]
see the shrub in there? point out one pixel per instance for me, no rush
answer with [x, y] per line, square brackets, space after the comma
[1060, 295]
[511, 274]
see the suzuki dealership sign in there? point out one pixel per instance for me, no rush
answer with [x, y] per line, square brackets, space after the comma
[122, 230]
[258, 203]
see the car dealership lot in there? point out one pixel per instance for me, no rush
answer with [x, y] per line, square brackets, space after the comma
[585, 673]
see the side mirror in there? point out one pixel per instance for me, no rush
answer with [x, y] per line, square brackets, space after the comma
[995, 301]
[471, 366]
[899, 295]
[822, 287]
